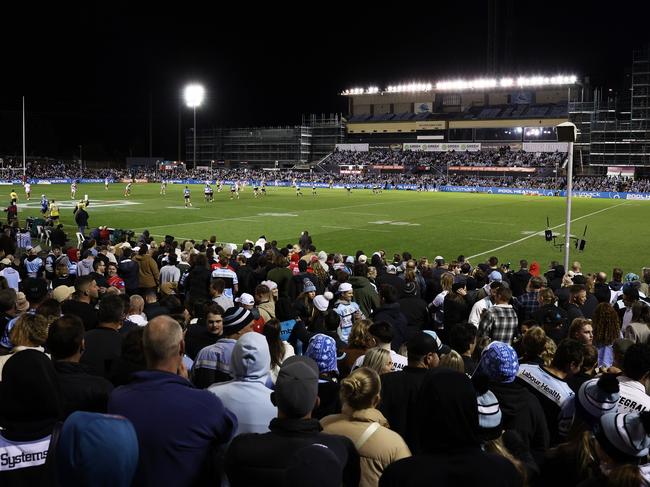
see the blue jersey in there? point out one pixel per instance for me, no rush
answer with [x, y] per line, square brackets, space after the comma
[44, 204]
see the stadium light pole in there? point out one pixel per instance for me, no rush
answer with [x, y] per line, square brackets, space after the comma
[566, 132]
[194, 95]
[24, 163]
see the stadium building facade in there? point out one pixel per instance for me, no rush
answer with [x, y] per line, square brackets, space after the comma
[255, 147]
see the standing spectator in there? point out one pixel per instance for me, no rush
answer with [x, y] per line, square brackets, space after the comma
[360, 421]
[577, 297]
[86, 291]
[347, 310]
[582, 331]
[455, 307]
[197, 281]
[169, 272]
[500, 321]
[217, 287]
[391, 313]
[521, 410]
[382, 333]
[450, 442]
[103, 344]
[247, 395]
[245, 276]
[81, 218]
[322, 349]
[213, 363]
[279, 349]
[80, 390]
[30, 407]
[549, 384]
[414, 308]
[148, 273]
[520, 279]
[205, 330]
[9, 273]
[639, 328]
[282, 276]
[29, 333]
[607, 329]
[223, 270]
[129, 270]
[295, 395]
[364, 292]
[462, 339]
[529, 301]
[178, 438]
[400, 390]
[635, 379]
[97, 448]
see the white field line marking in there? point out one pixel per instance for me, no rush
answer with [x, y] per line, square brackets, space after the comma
[535, 234]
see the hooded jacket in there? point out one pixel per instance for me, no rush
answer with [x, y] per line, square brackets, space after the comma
[451, 453]
[381, 449]
[522, 412]
[247, 395]
[365, 294]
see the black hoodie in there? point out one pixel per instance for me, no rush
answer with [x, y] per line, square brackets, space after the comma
[522, 412]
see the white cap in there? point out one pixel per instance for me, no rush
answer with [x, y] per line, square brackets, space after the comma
[245, 299]
[270, 284]
[344, 287]
[321, 303]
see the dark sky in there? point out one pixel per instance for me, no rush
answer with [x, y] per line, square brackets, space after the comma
[89, 74]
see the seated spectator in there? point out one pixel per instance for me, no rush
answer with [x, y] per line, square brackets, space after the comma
[295, 395]
[449, 440]
[360, 421]
[80, 390]
[178, 439]
[96, 448]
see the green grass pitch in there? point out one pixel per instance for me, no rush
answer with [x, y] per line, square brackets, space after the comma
[426, 224]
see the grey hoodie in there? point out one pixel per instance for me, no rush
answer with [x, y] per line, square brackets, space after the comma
[247, 395]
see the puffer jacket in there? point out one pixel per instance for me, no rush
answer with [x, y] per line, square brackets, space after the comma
[381, 448]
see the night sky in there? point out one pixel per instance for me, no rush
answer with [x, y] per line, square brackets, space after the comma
[89, 74]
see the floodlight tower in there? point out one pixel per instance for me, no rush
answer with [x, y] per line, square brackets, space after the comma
[194, 95]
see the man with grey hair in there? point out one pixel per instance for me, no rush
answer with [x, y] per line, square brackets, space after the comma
[135, 314]
[179, 427]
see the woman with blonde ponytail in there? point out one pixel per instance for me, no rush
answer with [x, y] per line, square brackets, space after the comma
[360, 421]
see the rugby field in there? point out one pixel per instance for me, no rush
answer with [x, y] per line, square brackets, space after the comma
[426, 224]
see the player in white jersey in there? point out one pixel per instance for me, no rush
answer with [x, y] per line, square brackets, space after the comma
[163, 187]
[313, 190]
[106, 184]
[186, 197]
[73, 190]
[208, 192]
[219, 186]
[28, 190]
[234, 190]
[127, 190]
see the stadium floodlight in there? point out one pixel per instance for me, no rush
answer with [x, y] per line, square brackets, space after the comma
[194, 95]
[506, 82]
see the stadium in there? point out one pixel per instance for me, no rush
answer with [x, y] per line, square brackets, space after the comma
[241, 261]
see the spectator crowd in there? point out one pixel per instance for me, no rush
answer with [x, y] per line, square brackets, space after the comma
[189, 363]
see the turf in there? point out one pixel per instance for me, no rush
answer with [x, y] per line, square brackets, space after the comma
[426, 224]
